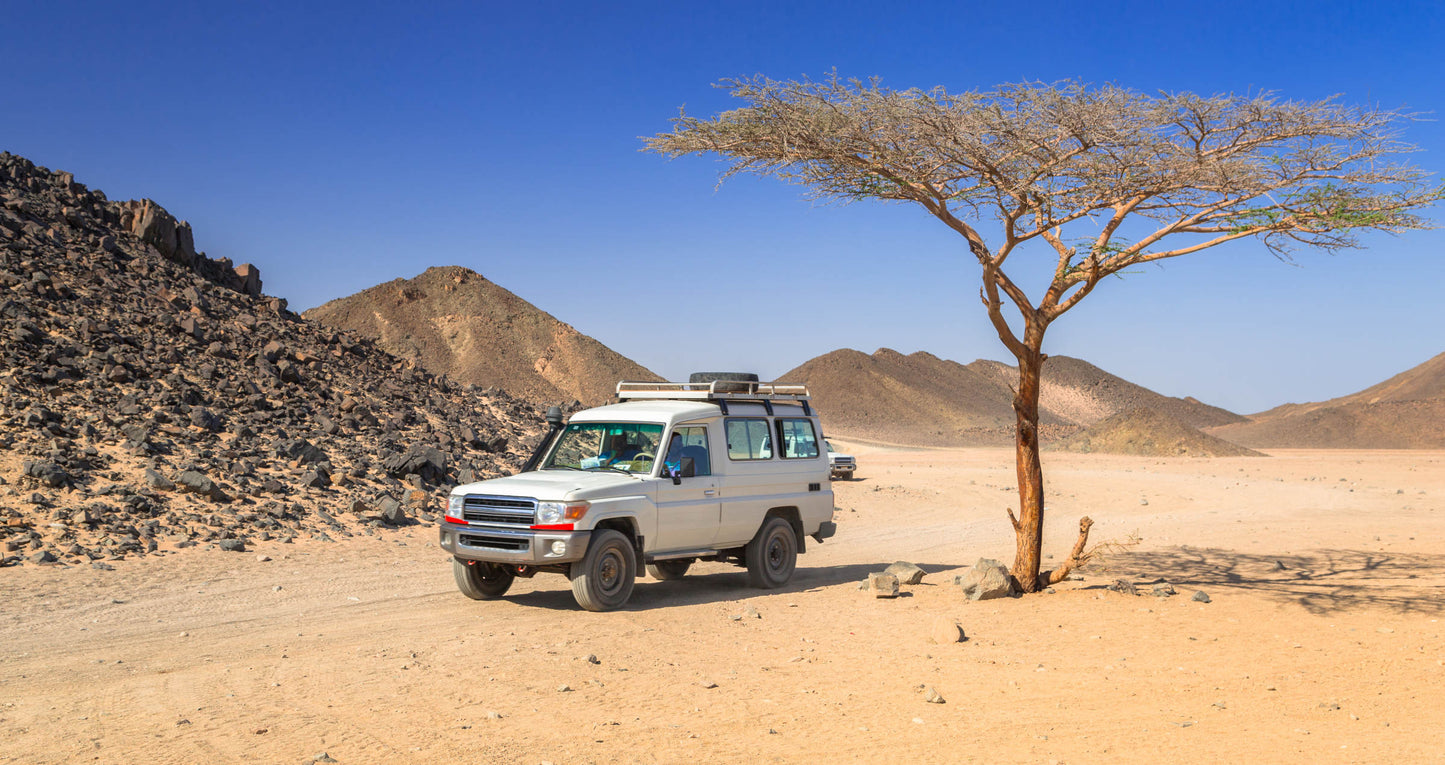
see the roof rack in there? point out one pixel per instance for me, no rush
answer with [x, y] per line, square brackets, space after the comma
[719, 392]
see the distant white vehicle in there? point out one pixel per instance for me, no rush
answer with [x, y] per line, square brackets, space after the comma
[673, 473]
[840, 465]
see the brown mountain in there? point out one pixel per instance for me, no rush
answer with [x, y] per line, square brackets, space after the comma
[914, 399]
[924, 400]
[1148, 433]
[453, 321]
[1079, 393]
[1406, 411]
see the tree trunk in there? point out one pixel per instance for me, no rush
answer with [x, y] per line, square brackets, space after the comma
[1029, 525]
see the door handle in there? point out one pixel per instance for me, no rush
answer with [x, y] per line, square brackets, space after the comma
[709, 492]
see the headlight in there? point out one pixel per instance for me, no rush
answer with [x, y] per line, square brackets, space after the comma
[553, 513]
[454, 505]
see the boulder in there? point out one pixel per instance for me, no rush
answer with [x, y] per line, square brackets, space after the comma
[428, 462]
[882, 585]
[906, 572]
[988, 579]
[392, 512]
[945, 632]
[250, 277]
[46, 473]
[194, 482]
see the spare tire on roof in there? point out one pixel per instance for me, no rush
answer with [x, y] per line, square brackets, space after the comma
[731, 377]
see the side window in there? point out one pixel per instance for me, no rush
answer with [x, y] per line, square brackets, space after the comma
[748, 440]
[797, 439]
[690, 442]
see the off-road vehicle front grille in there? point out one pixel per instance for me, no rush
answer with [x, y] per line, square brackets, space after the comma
[499, 511]
[509, 544]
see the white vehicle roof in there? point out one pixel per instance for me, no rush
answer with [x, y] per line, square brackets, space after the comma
[672, 412]
[668, 412]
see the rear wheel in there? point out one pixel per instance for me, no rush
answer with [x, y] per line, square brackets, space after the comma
[668, 569]
[772, 555]
[481, 581]
[603, 579]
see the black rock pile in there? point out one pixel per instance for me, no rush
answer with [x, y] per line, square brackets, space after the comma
[152, 398]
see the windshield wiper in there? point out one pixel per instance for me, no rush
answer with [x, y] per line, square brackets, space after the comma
[561, 467]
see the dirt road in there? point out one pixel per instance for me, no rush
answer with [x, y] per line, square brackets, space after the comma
[1321, 642]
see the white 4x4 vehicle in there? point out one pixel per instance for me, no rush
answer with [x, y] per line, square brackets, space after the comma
[840, 465]
[672, 474]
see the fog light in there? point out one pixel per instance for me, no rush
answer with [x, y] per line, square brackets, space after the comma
[559, 547]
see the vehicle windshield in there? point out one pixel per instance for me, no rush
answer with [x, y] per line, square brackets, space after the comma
[623, 446]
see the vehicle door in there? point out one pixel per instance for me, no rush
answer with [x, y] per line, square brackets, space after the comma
[688, 511]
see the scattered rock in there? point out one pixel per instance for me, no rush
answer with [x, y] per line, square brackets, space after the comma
[988, 579]
[197, 483]
[945, 631]
[157, 481]
[1123, 587]
[932, 696]
[1163, 590]
[882, 585]
[906, 572]
[1200, 596]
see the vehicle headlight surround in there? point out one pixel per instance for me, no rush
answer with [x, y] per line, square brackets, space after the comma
[552, 513]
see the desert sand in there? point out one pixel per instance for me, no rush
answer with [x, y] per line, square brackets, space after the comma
[1322, 640]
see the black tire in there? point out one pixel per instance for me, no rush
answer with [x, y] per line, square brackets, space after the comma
[725, 377]
[481, 581]
[668, 569]
[772, 555]
[603, 579]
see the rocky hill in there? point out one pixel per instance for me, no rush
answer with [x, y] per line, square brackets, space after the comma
[924, 400]
[1077, 392]
[452, 321]
[914, 399]
[1406, 411]
[152, 398]
[1148, 433]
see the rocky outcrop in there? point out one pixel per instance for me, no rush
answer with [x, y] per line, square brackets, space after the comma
[152, 398]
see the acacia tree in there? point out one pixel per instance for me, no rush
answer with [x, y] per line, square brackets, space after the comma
[1074, 168]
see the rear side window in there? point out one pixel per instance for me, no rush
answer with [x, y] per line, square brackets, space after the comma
[749, 440]
[797, 439]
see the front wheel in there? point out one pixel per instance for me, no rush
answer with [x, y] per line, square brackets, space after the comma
[481, 581]
[772, 555]
[603, 579]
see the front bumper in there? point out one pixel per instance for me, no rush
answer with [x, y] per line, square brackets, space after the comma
[517, 547]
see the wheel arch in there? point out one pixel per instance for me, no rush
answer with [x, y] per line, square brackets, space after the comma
[625, 526]
[794, 517]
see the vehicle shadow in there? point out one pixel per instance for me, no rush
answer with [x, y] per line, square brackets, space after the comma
[1321, 581]
[715, 583]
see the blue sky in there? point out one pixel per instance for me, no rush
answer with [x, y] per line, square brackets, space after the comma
[341, 145]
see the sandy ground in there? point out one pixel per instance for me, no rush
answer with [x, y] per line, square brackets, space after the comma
[1322, 643]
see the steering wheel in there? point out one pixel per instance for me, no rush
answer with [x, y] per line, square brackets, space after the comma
[643, 457]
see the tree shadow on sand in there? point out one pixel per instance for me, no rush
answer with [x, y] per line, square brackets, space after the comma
[1322, 581]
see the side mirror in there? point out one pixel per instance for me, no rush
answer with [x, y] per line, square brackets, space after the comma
[682, 468]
